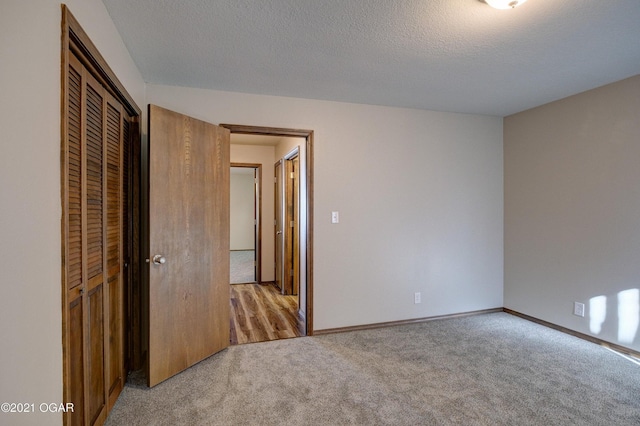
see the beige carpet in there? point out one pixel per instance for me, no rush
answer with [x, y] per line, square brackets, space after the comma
[493, 369]
[242, 269]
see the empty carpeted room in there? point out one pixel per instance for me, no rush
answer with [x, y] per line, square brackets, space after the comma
[468, 211]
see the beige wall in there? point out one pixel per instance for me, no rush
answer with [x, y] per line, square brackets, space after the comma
[572, 208]
[241, 210]
[419, 193]
[286, 145]
[30, 210]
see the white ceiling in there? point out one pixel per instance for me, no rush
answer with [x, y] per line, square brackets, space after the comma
[446, 55]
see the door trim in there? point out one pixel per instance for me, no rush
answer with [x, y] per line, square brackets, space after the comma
[308, 136]
[258, 199]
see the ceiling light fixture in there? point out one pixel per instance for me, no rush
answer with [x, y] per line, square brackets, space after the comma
[504, 4]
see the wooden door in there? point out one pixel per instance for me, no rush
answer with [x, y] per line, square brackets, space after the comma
[279, 226]
[94, 229]
[290, 281]
[294, 214]
[256, 227]
[188, 242]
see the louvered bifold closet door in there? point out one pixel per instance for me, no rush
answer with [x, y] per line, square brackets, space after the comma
[95, 247]
[94, 229]
[115, 194]
[75, 268]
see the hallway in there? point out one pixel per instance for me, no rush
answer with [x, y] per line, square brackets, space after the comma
[260, 313]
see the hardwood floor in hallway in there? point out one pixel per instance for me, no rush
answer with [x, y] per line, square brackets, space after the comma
[260, 313]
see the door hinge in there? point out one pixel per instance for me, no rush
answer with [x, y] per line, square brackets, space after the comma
[292, 175]
[291, 272]
[292, 223]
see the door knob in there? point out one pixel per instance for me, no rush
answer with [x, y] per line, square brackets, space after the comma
[279, 232]
[159, 259]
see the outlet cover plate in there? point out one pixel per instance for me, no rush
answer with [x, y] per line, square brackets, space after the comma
[578, 309]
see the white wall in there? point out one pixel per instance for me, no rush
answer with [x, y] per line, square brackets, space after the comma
[572, 207]
[30, 207]
[264, 155]
[419, 193]
[242, 201]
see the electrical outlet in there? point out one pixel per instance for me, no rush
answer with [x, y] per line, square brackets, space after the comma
[335, 217]
[578, 309]
[416, 298]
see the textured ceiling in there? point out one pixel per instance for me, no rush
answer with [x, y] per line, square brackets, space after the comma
[446, 55]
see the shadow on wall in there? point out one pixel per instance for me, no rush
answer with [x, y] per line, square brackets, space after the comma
[628, 314]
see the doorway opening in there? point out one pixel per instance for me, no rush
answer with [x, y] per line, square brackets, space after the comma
[264, 310]
[245, 223]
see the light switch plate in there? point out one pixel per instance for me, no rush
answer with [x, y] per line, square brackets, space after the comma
[335, 217]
